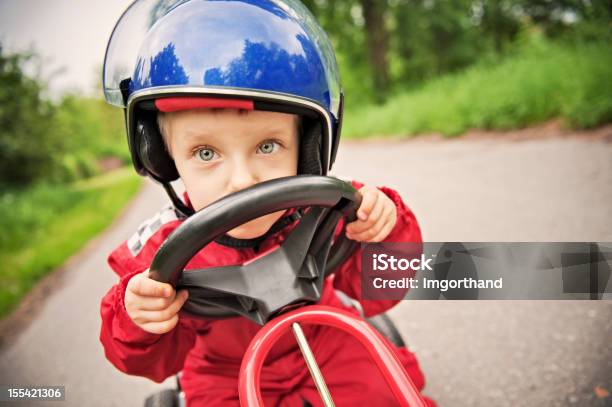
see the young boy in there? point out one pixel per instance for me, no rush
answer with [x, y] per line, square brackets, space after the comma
[220, 139]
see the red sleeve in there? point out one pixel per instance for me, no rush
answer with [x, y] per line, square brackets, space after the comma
[130, 348]
[348, 276]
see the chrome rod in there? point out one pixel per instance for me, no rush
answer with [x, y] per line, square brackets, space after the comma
[311, 362]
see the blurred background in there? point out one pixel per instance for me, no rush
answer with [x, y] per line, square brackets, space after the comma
[410, 68]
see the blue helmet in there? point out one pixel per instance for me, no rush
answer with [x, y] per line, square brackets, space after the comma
[271, 53]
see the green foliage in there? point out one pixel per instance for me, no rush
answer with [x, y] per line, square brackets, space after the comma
[571, 19]
[91, 130]
[433, 38]
[429, 38]
[44, 225]
[52, 142]
[540, 80]
[28, 149]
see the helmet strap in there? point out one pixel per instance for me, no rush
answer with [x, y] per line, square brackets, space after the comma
[179, 205]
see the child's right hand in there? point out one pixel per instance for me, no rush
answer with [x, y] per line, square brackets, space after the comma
[152, 305]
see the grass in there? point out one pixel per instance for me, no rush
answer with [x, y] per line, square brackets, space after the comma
[44, 225]
[536, 83]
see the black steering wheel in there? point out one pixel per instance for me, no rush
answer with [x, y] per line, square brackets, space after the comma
[288, 276]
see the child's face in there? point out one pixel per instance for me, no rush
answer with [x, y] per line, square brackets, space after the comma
[224, 151]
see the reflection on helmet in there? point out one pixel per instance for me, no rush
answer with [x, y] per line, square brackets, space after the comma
[267, 52]
[197, 36]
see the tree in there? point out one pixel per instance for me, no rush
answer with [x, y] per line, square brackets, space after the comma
[430, 38]
[28, 145]
[499, 21]
[378, 40]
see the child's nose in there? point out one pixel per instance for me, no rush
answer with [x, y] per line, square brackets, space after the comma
[242, 177]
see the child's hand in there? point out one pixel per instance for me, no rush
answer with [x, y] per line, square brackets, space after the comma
[152, 305]
[376, 217]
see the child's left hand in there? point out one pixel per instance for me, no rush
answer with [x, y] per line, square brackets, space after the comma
[376, 217]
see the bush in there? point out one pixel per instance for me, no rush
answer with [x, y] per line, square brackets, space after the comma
[28, 145]
[91, 130]
[536, 82]
[43, 141]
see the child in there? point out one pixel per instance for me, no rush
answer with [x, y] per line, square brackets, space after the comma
[224, 107]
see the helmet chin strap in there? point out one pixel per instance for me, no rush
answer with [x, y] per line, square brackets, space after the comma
[179, 205]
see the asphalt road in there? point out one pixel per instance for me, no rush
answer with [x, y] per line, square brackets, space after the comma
[501, 353]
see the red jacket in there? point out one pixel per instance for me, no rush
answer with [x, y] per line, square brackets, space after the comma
[209, 352]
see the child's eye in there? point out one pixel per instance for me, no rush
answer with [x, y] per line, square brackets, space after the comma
[205, 154]
[268, 147]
